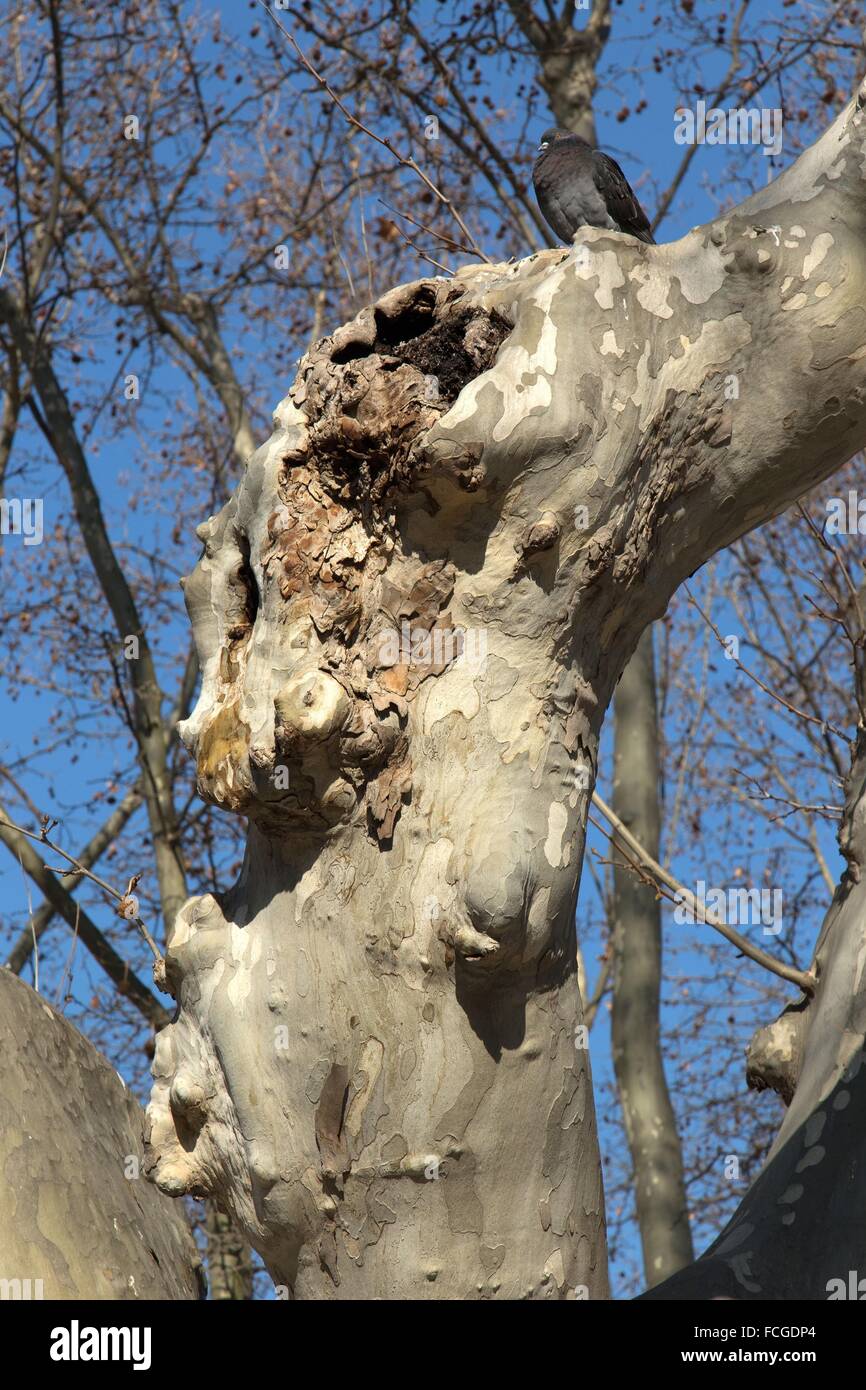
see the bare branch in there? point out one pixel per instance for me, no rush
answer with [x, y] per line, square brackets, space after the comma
[406, 161]
[665, 880]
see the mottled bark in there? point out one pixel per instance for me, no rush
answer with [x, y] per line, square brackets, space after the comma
[377, 1064]
[75, 1210]
[569, 77]
[648, 1114]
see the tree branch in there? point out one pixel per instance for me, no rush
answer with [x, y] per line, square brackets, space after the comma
[665, 880]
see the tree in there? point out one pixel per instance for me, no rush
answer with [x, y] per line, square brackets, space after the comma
[410, 618]
[168, 268]
[76, 1218]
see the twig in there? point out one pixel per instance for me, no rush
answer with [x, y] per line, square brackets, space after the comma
[67, 969]
[780, 699]
[406, 162]
[124, 899]
[30, 919]
[89, 854]
[422, 254]
[118, 970]
[805, 980]
[447, 241]
[726, 83]
[592, 1005]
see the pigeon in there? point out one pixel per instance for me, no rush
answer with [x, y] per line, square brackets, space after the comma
[577, 186]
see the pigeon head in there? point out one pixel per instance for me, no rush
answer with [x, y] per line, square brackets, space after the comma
[553, 135]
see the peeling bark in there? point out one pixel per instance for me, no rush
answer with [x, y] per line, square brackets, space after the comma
[376, 1062]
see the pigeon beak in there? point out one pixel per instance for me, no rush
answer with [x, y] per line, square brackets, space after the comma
[543, 145]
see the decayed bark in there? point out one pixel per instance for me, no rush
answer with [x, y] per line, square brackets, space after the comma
[75, 1210]
[376, 1062]
[650, 1123]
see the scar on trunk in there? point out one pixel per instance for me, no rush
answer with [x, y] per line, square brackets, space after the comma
[333, 577]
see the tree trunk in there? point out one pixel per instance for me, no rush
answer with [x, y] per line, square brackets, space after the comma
[229, 1265]
[568, 59]
[650, 1123]
[77, 1219]
[411, 617]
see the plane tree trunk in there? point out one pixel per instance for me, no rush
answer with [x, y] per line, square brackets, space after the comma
[410, 618]
[77, 1219]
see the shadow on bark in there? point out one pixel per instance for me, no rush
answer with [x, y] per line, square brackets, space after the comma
[803, 1223]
